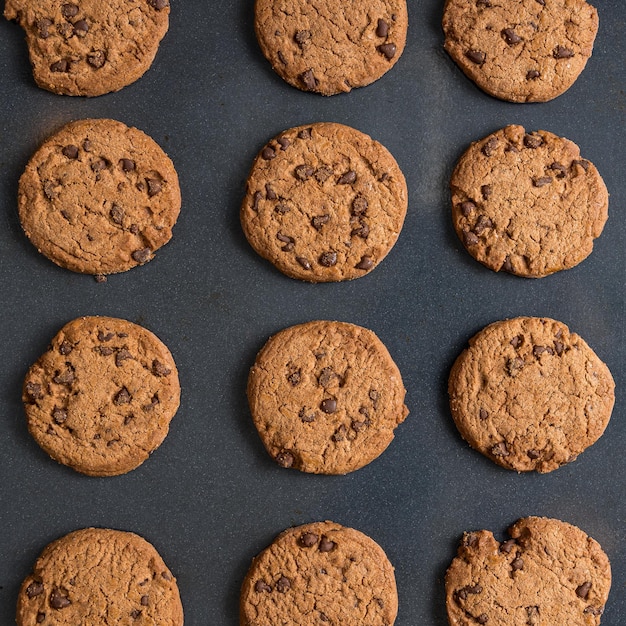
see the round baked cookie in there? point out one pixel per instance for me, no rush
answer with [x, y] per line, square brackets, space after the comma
[325, 397]
[101, 398]
[324, 202]
[331, 46]
[527, 203]
[99, 576]
[99, 197]
[90, 48]
[529, 394]
[548, 573]
[520, 50]
[320, 573]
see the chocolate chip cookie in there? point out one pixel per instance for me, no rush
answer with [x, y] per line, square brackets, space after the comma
[548, 573]
[88, 47]
[325, 397]
[520, 50]
[320, 573]
[102, 396]
[527, 202]
[324, 202]
[99, 197]
[99, 576]
[529, 394]
[330, 46]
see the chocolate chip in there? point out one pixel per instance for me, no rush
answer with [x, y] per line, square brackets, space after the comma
[305, 416]
[507, 266]
[339, 434]
[382, 29]
[135, 613]
[476, 56]
[348, 178]
[154, 186]
[482, 223]
[128, 165]
[49, 190]
[366, 263]
[388, 50]
[507, 546]
[295, 377]
[308, 80]
[542, 181]
[144, 600]
[117, 214]
[97, 58]
[58, 600]
[483, 618]
[484, 414]
[539, 350]
[323, 617]
[166, 575]
[81, 28]
[559, 347]
[326, 545]
[470, 238]
[517, 564]
[158, 4]
[98, 165]
[283, 584]
[561, 170]
[284, 143]
[363, 230]
[514, 366]
[483, 3]
[42, 26]
[64, 378]
[461, 594]
[63, 65]
[594, 610]
[34, 589]
[142, 255]
[582, 162]
[532, 140]
[467, 207]
[533, 454]
[285, 458]
[328, 259]
[40, 617]
[359, 205]
[122, 397]
[261, 586]
[541, 2]
[69, 10]
[517, 341]
[270, 194]
[59, 415]
[500, 449]
[319, 221]
[359, 426]
[486, 191]
[71, 152]
[327, 375]
[511, 37]
[329, 405]
[533, 74]
[121, 356]
[102, 336]
[305, 263]
[470, 540]
[160, 370]
[308, 540]
[490, 146]
[65, 348]
[268, 153]
[105, 350]
[302, 37]
[322, 174]
[289, 242]
[304, 172]
[305, 133]
[561, 52]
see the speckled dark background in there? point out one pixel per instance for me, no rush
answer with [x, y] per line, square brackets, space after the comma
[210, 498]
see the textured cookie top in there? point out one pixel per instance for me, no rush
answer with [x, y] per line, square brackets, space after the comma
[89, 47]
[99, 576]
[520, 50]
[324, 203]
[99, 197]
[325, 397]
[548, 573]
[331, 46]
[101, 398]
[529, 394]
[320, 573]
[527, 203]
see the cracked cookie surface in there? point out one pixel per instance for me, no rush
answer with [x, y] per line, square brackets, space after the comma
[529, 394]
[99, 197]
[320, 573]
[548, 573]
[527, 203]
[325, 397]
[101, 398]
[324, 202]
[99, 576]
[520, 50]
[87, 47]
[330, 46]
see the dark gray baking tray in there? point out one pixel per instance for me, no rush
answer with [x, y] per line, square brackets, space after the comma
[210, 498]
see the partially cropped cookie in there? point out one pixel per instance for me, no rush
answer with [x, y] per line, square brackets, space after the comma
[330, 46]
[325, 397]
[320, 573]
[99, 197]
[89, 48]
[520, 50]
[548, 573]
[101, 398]
[527, 202]
[324, 202]
[99, 576]
[529, 394]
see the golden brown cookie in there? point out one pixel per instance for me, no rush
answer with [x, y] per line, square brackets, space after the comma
[529, 394]
[549, 573]
[320, 573]
[330, 46]
[102, 397]
[324, 202]
[99, 576]
[520, 50]
[527, 203]
[325, 397]
[87, 47]
[99, 197]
